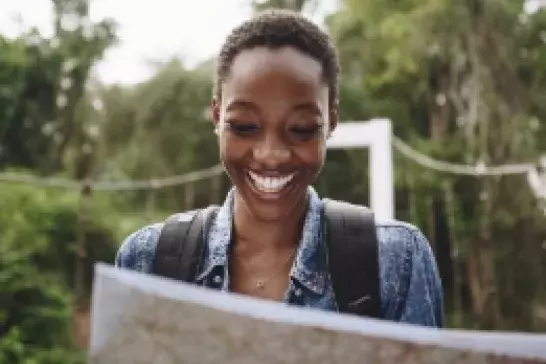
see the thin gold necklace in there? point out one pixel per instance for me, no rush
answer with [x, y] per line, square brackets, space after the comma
[260, 283]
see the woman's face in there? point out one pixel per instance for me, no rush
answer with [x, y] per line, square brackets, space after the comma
[272, 124]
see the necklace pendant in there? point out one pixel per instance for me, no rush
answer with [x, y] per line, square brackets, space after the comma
[260, 284]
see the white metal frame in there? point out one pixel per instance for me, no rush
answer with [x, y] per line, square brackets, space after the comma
[376, 135]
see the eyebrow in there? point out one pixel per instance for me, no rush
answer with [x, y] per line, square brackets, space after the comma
[305, 106]
[241, 104]
[309, 107]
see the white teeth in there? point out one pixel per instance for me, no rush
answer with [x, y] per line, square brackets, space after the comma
[270, 184]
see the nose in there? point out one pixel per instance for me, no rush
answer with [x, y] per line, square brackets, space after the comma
[271, 152]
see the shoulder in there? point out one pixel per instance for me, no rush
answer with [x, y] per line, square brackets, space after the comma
[406, 256]
[403, 251]
[137, 252]
[411, 284]
[397, 237]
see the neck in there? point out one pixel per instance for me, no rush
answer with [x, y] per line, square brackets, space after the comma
[255, 236]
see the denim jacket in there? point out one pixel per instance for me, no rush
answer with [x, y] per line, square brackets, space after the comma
[410, 286]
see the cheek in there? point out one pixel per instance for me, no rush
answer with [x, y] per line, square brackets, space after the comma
[313, 156]
[231, 150]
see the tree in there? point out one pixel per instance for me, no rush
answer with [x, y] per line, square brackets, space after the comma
[27, 73]
[161, 128]
[44, 83]
[81, 44]
[451, 76]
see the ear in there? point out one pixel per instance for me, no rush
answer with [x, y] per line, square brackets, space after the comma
[215, 113]
[334, 117]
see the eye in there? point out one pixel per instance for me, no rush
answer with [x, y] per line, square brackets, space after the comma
[306, 132]
[243, 128]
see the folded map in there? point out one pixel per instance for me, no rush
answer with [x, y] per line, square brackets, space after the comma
[139, 318]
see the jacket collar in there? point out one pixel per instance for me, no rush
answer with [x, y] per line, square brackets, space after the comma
[310, 266]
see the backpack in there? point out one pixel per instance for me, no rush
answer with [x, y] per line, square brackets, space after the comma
[351, 243]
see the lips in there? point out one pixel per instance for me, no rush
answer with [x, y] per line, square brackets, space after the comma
[270, 184]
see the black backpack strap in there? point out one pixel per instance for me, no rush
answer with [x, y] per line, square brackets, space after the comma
[181, 244]
[353, 258]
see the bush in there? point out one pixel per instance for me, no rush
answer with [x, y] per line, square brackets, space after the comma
[37, 266]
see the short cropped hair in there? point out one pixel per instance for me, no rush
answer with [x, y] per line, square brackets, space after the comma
[275, 29]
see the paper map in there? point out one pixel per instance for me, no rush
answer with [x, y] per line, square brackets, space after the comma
[138, 318]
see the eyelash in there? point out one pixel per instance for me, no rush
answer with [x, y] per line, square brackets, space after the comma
[243, 129]
[249, 129]
[308, 131]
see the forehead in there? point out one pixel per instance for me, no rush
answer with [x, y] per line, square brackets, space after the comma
[260, 70]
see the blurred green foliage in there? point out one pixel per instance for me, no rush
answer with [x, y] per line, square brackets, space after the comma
[37, 258]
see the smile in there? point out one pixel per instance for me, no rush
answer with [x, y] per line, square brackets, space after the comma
[269, 184]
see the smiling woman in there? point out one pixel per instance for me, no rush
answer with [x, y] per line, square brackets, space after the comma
[272, 118]
[274, 107]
